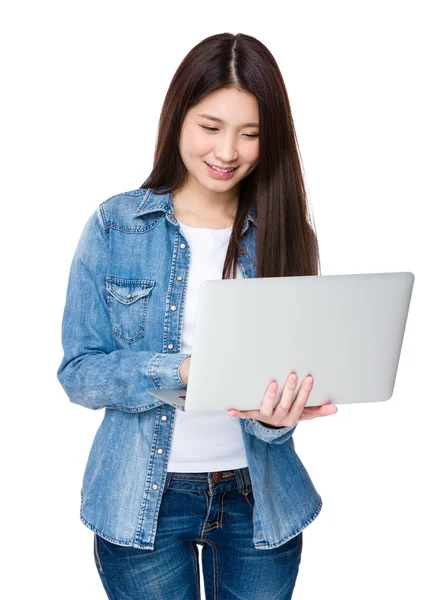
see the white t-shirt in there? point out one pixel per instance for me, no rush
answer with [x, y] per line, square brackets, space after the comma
[212, 441]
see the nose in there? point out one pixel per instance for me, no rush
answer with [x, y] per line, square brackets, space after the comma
[226, 151]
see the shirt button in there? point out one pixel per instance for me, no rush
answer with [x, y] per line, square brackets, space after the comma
[182, 246]
[173, 307]
[242, 251]
[179, 278]
[129, 296]
[164, 418]
[170, 346]
[154, 486]
[159, 451]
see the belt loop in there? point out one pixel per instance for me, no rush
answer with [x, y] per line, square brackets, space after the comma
[248, 482]
[168, 479]
[239, 478]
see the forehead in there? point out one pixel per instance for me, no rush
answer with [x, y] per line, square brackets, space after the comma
[229, 105]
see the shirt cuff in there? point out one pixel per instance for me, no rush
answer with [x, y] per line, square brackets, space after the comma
[164, 370]
[267, 434]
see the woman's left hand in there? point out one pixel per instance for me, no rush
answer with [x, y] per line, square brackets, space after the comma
[288, 411]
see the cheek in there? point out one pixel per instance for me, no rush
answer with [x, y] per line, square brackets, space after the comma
[250, 154]
[196, 145]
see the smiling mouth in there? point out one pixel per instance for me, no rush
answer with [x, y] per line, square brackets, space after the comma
[220, 169]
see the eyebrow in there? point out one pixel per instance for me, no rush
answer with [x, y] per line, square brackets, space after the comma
[211, 118]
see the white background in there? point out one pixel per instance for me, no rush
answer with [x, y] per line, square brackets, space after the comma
[83, 85]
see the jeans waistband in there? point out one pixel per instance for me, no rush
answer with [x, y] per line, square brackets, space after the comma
[211, 480]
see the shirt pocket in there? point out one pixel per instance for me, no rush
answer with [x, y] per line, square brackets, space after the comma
[127, 301]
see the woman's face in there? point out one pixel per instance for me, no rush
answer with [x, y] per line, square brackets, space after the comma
[231, 141]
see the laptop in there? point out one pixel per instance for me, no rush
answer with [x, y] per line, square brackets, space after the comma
[345, 330]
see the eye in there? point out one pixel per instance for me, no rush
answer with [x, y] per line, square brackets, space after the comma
[249, 135]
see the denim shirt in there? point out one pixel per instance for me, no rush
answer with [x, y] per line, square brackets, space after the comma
[121, 335]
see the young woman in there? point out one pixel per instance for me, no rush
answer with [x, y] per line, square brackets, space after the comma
[225, 198]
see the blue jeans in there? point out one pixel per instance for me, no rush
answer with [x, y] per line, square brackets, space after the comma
[213, 510]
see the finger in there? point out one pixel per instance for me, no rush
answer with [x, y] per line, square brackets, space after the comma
[267, 405]
[301, 399]
[311, 412]
[244, 414]
[287, 398]
[327, 409]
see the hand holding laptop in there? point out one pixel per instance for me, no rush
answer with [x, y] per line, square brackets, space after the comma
[289, 410]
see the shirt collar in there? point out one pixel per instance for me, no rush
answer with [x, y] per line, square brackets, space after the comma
[153, 202]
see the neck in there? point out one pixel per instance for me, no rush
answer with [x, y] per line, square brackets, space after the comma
[193, 199]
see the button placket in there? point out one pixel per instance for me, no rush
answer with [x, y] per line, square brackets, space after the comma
[160, 451]
[173, 307]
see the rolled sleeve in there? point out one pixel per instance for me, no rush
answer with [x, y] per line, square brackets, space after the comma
[164, 370]
[268, 434]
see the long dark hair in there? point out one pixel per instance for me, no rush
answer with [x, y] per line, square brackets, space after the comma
[286, 239]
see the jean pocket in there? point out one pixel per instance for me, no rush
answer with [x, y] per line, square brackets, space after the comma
[249, 497]
[127, 301]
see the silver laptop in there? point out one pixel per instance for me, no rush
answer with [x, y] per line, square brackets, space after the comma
[345, 330]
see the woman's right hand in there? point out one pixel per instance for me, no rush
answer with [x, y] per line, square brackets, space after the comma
[184, 370]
